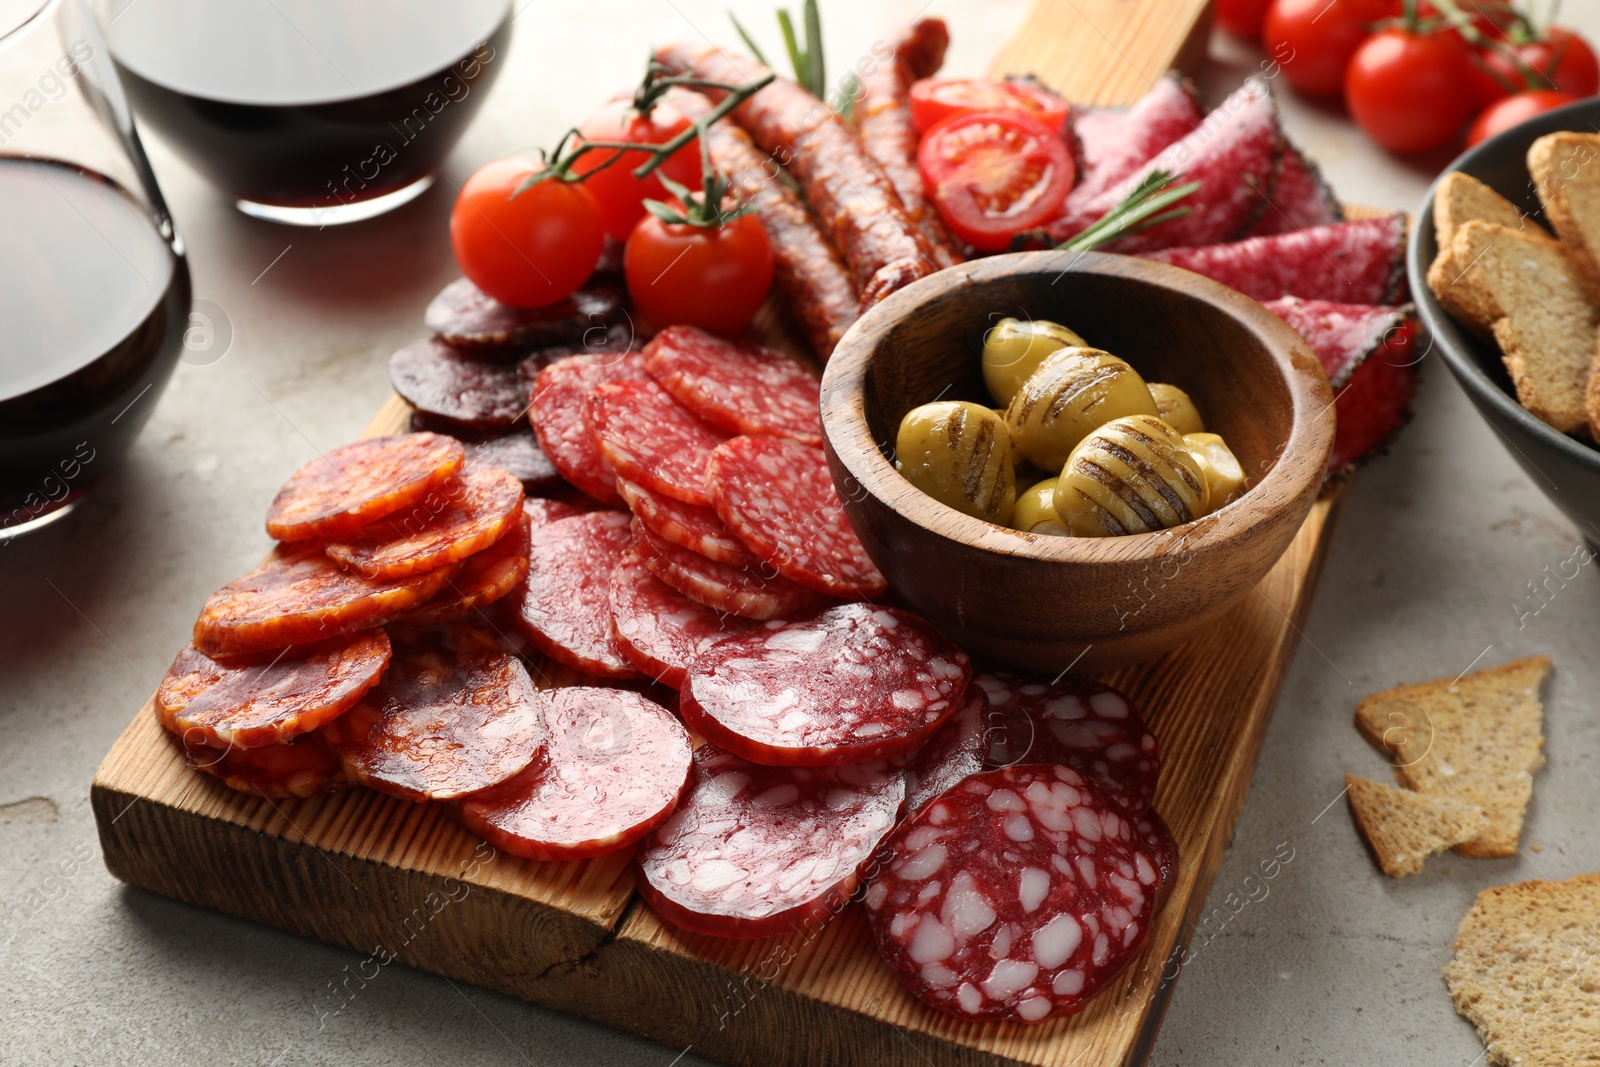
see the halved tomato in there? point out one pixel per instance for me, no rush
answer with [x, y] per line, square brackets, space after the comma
[935, 99]
[995, 174]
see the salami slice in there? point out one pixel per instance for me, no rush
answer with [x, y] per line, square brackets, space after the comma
[1300, 199]
[1083, 725]
[564, 605]
[271, 698]
[441, 724]
[464, 515]
[299, 595]
[305, 767]
[744, 591]
[519, 453]
[464, 315]
[541, 512]
[354, 484]
[737, 385]
[763, 851]
[457, 388]
[484, 579]
[659, 629]
[612, 768]
[556, 412]
[856, 682]
[650, 439]
[955, 753]
[1117, 143]
[778, 497]
[686, 525]
[1369, 354]
[1360, 262]
[1016, 896]
[1152, 830]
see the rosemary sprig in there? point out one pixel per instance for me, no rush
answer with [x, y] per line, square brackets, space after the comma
[1149, 204]
[806, 58]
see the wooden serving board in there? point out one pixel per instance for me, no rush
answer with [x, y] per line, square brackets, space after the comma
[393, 879]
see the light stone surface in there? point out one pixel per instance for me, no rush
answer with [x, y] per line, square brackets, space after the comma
[1327, 962]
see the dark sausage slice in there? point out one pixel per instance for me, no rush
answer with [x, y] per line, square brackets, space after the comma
[954, 753]
[453, 388]
[464, 315]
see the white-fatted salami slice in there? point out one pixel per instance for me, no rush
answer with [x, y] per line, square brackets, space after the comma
[659, 628]
[956, 752]
[750, 591]
[686, 525]
[563, 607]
[737, 385]
[650, 439]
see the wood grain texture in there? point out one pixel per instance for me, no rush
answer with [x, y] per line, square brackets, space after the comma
[1107, 51]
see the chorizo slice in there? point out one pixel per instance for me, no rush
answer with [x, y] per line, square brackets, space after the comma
[485, 578]
[304, 767]
[350, 486]
[463, 516]
[518, 452]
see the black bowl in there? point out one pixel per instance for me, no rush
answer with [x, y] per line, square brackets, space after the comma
[1567, 469]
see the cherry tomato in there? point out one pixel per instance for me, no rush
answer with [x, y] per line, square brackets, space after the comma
[620, 194]
[1242, 18]
[1560, 60]
[1489, 82]
[1313, 40]
[1514, 110]
[994, 174]
[714, 278]
[529, 250]
[935, 99]
[1411, 92]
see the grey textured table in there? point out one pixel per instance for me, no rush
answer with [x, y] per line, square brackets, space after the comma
[1334, 963]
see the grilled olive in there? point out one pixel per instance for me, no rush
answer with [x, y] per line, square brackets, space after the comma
[1036, 509]
[1176, 409]
[1132, 475]
[959, 454]
[1017, 458]
[1225, 479]
[1013, 350]
[1074, 391]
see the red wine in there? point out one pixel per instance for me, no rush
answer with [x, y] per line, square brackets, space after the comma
[93, 305]
[309, 103]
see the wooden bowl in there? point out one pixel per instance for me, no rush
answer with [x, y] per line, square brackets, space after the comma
[1042, 602]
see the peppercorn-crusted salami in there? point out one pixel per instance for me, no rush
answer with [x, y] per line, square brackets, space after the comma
[855, 682]
[778, 497]
[1300, 199]
[955, 752]
[484, 578]
[1016, 896]
[272, 697]
[564, 605]
[650, 439]
[463, 516]
[737, 385]
[350, 486]
[456, 388]
[612, 768]
[750, 591]
[763, 851]
[466, 316]
[1084, 725]
[686, 525]
[556, 412]
[1359, 262]
[443, 722]
[659, 629]
[299, 595]
[1117, 143]
[304, 767]
[519, 453]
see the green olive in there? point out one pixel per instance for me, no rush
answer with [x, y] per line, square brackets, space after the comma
[959, 454]
[1224, 475]
[1017, 458]
[1074, 391]
[1013, 350]
[1176, 409]
[1132, 475]
[1036, 509]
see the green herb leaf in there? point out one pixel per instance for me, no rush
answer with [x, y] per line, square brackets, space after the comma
[1146, 206]
[816, 66]
[749, 42]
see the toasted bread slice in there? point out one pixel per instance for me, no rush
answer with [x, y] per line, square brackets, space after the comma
[1524, 291]
[1526, 972]
[1405, 828]
[1476, 739]
[1566, 172]
[1462, 198]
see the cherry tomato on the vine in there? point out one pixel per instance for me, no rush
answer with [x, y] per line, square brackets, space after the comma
[1313, 40]
[994, 174]
[1515, 110]
[621, 196]
[1410, 92]
[1561, 59]
[935, 99]
[714, 277]
[1242, 18]
[530, 248]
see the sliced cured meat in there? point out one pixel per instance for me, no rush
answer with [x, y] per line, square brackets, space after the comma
[1369, 354]
[519, 453]
[1016, 896]
[661, 630]
[1360, 262]
[556, 412]
[955, 753]
[737, 385]
[464, 515]
[564, 605]
[1152, 829]
[441, 724]
[763, 851]
[746, 591]
[778, 497]
[1117, 143]
[541, 512]
[350, 486]
[456, 388]
[1084, 725]
[305, 767]
[1300, 198]
[299, 595]
[856, 682]
[270, 698]
[484, 579]
[686, 525]
[612, 768]
[650, 439]
[464, 315]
